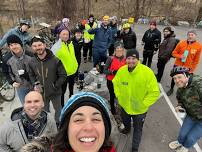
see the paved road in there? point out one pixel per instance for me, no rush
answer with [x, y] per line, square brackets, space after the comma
[161, 126]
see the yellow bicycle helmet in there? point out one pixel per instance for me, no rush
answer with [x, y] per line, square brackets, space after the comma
[126, 26]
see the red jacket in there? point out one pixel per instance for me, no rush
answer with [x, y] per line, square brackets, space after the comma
[115, 65]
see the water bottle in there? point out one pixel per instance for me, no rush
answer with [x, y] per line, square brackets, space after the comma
[186, 52]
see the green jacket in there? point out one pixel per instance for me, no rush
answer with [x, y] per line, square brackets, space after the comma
[190, 97]
[136, 91]
[65, 52]
[88, 37]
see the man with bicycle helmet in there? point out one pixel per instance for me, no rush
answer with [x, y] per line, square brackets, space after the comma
[165, 50]
[187, 54]
[21, 31]
[189, 99]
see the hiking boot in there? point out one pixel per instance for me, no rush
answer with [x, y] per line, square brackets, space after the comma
[174, 145]
[169, 92]
[125, 131]
[182, 149]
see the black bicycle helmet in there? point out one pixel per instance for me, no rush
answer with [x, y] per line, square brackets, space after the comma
[179, 70]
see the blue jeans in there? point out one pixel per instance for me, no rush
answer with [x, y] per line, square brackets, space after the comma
[99, 57]
[22, 92]
[190, 132]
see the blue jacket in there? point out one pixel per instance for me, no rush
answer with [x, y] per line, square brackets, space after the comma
[102, 39]
[114, 30]
[24, 36]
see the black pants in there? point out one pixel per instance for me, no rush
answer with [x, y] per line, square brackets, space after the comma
[138, 122]
[71, 81]
[112, 95]
[160, 66]
[86, 47]
[111, 50]
[147, 57]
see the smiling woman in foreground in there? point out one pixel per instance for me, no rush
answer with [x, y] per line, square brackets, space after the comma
[85, 125]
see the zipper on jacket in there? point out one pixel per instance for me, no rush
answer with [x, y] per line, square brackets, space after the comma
[42, 74]
[22, 133]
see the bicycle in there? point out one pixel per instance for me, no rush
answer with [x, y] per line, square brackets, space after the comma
[7, 91]
[46, 34]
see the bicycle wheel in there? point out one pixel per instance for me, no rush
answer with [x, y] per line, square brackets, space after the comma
[7, 92]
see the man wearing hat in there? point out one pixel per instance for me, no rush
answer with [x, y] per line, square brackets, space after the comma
[102, 42]
[88, 38]
[187, 54]
[114, 29]
[129, 37]
[165, 50]
[189, 99]
[21, 67]
[63, 49]
[136, 89]
[151, 41]
[21, 31]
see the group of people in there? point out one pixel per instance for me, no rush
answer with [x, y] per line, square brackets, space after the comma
[83, 122]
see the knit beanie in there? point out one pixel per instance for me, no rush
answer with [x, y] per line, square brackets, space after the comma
[87, 99]
[133, 53]
[169, 29]
[61, 28]
[152, 22]
[13, 39]
[192, 31]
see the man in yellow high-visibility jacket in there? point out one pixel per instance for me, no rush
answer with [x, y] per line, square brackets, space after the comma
[88, 38]
[136, 89]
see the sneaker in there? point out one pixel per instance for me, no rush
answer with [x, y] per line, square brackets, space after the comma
[182, 149]
[174, 145]
[169, 92]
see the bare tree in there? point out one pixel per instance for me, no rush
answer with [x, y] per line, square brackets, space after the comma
[21, 8]
[63, 8]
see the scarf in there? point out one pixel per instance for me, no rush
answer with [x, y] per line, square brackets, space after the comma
[33, 127]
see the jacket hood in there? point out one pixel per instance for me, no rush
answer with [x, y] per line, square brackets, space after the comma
[16, 55]
[113, 25]
[16, 114]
